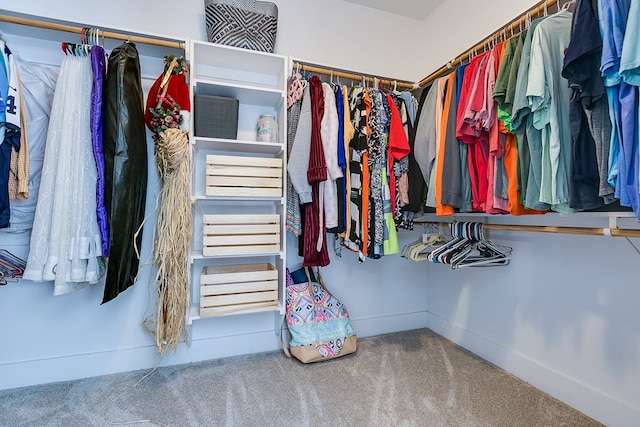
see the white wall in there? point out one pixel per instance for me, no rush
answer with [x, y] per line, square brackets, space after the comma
[564, 315]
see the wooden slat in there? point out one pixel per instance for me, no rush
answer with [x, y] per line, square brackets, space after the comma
[244, 298]
[241, 239]
[242, 219]
[220, 230]
[243, 192]
[236, 170]
[215, 274]
[237, 309]
[238, 288]
[240, 250]
[246, 161]
[243, 181]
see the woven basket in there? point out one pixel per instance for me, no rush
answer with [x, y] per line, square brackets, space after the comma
[248, 24]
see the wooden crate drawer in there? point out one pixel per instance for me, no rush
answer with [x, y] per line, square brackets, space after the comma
[240, 234]
[243, 176]
[229, 289]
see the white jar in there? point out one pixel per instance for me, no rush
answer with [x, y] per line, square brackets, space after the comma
[267, 128]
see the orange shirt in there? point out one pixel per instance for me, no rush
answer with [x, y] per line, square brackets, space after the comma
[444, 210]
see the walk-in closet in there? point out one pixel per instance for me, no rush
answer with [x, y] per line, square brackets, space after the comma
[546, 292]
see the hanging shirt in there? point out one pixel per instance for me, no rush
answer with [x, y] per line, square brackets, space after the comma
[623, 105]
[529, 139]
[548, 95]
[613, 16]
[5, 147]
[349, 131]
[465, 179]
[294, 216]
[450, 175]
[298, 163]
[417, 184]
[329, 133]
[630, 56]
[424, 146]
[314, 243]
[590, 151]
[342, 163]
[496, 201]
[398, 147]
[470, 132]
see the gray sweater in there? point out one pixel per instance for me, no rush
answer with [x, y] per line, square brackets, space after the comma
[299, 157]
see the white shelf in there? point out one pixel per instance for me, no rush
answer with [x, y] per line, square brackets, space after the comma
[258, 81]
[236, 145]
[245, 94]
[232, 64]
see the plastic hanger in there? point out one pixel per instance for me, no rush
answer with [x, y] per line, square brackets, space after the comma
[481, 253]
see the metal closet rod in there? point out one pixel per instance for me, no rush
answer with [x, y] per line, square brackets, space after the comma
[104, 34]
[516, 23]
[352, 75]
[587, 231]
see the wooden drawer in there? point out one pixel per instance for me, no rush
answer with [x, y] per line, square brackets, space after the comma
[243, 176]
[229, 289]
[240, 234]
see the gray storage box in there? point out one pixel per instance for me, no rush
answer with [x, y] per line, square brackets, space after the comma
[216, 116]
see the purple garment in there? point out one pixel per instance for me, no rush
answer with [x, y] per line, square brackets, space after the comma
[98, 64]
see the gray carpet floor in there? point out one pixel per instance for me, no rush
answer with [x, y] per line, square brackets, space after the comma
[412, 378]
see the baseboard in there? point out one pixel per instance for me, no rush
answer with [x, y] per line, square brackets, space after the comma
[591, 402]
[78, 366]
[391, 323]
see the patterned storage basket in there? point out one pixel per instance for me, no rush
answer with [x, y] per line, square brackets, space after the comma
[248, 24]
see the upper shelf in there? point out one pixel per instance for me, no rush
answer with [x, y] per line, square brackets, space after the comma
[245, 94]
[233, 65]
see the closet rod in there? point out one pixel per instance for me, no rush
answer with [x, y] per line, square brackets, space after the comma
[351, 76]
[505, 29]
[104, 34]
[615, 232]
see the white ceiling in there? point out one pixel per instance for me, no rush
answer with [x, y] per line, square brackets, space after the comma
[416, 9]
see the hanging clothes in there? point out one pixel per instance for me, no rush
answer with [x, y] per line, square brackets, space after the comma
[424, 146]
[496, 201]
[447, 176]
[294, 221]
[38, 84]
[314, 242]
[99, 67]
[529, 138]
[341, 192]
[466, 198]
[65, 244]
[126, 166]
[9, 129]
[358, 198]
[329, 135]
[549, 95]
[349, 132]
[470, 131]
[589, 114]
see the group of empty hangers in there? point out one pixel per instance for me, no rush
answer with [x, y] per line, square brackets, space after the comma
[11, 267]
[89, 37]
[432, 238]
[468, 247]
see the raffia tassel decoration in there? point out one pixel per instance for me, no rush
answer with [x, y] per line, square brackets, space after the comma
[172, 238]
